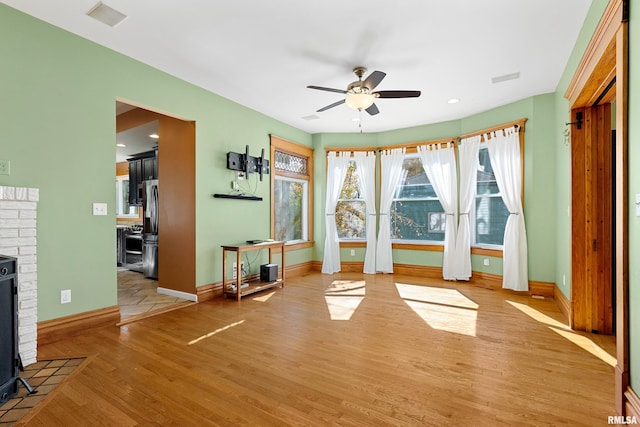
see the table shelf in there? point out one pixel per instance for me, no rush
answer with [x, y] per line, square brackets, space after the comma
[254, 284]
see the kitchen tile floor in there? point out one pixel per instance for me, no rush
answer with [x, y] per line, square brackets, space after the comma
[138, 295]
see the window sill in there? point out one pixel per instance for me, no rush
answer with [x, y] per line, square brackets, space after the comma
[297, 245]
[497, 253]
[488, 252]
[419, 246]
[353, 244]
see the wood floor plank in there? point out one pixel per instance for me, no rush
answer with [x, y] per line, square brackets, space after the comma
[346, 349]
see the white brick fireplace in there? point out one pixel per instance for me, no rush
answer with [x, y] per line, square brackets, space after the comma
[18, 212]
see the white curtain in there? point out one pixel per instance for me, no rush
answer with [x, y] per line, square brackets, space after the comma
[336, 170]
[365, 168]
[504, 153]
[439, 163]
[468, 161]
[392, 171]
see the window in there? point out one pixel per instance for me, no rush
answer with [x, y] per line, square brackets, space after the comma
[416, 212]
[123, 209]
[490, 212]
[291, 210]
[351, 211]
[291, 172]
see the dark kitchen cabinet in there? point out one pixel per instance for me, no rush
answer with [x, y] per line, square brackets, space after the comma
[142, 167]
[149, 168]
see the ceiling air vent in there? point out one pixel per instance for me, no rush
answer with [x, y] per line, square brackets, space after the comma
[505, 78]
[106, 15]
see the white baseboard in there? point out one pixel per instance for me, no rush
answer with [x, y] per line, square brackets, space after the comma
[178, 294]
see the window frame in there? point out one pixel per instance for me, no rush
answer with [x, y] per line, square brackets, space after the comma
[305, 207]
[472, 214]
[413, 154]
[120, 180]
[359, 200]
[477, 250]
[298, 150]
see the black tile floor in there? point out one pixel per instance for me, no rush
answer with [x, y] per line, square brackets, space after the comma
[42, 376]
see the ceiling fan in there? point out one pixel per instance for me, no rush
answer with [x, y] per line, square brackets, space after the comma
[360, 95]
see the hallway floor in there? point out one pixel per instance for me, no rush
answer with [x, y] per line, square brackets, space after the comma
[138, 295]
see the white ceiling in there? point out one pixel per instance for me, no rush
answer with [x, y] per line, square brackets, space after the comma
[263, 54]
[136, 140]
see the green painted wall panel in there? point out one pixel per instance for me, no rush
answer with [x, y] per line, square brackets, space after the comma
[58, 131]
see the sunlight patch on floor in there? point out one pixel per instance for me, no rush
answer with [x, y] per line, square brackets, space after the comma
[441, 308]
[265, 297]
[581, 339]
[343, 298]
[210, 334]
[540, 317]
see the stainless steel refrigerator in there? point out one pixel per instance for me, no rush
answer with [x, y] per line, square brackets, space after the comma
[150, 230]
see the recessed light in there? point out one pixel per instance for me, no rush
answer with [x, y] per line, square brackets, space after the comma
[121, 145]
[453, 101]
[154, 135]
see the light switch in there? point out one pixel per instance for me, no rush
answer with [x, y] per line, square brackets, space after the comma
[99, 209]
[637, 204]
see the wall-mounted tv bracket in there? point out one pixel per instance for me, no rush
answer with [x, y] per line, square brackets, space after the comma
[248, 164]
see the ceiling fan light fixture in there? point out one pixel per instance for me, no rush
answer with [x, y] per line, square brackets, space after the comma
[360, 101]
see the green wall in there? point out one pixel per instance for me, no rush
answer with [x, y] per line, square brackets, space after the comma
[57, 127]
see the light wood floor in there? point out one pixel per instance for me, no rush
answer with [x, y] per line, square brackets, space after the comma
[346, 349]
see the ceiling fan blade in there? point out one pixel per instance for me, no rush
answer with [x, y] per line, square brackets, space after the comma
[372, 110]
[335, 104]
[373, 80]
[398, 93]
[328, 89]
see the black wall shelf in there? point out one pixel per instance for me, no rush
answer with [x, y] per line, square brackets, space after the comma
[237, 196]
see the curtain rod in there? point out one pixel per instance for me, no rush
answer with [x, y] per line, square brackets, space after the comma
[349, 149]
[519, 123]
[417, 144]
[414, 145]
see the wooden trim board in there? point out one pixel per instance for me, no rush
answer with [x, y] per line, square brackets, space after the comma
[55, 329]
[214, 290]
[563, 303]
[632, 404]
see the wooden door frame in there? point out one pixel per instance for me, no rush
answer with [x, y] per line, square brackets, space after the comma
[591, 221]
[605, 61]
[176, 170]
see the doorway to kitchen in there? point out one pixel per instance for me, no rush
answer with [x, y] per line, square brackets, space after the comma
[155, 272]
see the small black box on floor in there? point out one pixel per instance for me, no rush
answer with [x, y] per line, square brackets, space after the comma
[269, 272]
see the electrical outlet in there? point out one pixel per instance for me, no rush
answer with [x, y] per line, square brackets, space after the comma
[235, 270]
[234, 185]
[5, 167]
[486, 261]
[65, 296]
[239, 176]
[353, 252]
